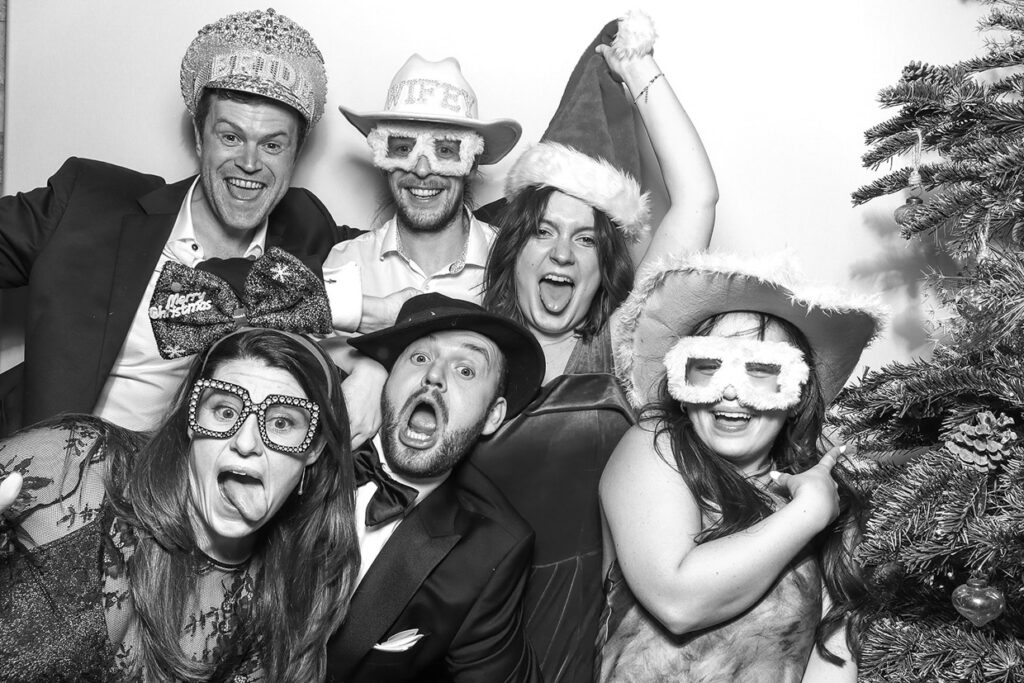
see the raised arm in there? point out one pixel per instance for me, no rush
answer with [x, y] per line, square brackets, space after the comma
[653, 519]
[685, 166]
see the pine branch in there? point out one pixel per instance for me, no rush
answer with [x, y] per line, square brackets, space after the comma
[958, 505]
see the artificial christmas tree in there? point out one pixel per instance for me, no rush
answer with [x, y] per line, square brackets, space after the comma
[943, 548]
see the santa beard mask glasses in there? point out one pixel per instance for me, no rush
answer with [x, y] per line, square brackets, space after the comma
[765, 375]
[450, 151]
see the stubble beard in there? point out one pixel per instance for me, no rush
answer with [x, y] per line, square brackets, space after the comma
[442, 458]
[419, 222]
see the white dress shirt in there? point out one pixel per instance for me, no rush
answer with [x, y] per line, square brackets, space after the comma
[373, 539]
[385, 269]
[141, 384]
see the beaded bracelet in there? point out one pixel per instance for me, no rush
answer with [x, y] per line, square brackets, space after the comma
[643, 93]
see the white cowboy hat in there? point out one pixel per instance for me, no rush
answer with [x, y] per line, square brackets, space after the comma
[437, 92]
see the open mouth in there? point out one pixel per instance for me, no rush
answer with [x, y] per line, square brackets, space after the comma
[244, 492]
[422, 423]
[556, 292]
[731, 420]
[241, 188]
[424, 192]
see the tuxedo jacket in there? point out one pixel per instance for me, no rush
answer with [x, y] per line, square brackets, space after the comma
[454, 571]
[86, 246]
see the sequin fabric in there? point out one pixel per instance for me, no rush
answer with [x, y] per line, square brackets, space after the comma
[66, 612]
[260, 52]
[192, 308]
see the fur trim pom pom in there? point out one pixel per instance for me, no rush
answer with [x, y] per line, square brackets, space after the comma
[635, 37]
[594, 181]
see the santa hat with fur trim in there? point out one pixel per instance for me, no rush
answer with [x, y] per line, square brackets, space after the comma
[672, 296]
[590, 150]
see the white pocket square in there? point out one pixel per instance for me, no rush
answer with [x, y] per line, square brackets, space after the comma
[401, 641]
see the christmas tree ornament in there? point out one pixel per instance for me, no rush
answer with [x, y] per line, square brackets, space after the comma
[978, 601]
[888, 576]
[983, 251]
[943, 581]
[905, 214]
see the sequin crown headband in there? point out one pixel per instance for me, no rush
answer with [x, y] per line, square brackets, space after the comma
[260, 52]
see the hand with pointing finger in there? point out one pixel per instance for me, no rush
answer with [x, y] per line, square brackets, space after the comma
[814, 490]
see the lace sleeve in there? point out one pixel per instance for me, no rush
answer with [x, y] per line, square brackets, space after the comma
[63, 463]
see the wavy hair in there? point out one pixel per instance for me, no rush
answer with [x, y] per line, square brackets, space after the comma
[517, 224]
[304, 561]
[728, 498]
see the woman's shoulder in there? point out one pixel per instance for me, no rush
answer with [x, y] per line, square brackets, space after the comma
[55, 456]
[644, 451]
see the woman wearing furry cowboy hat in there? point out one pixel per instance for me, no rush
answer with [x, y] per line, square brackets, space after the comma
[561, 264]
[220, 548]
[727, 531]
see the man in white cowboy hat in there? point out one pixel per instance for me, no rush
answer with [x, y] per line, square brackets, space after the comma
[428, 139]
[91, 245]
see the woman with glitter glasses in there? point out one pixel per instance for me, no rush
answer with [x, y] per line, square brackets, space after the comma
[727, 532]
[220, 548]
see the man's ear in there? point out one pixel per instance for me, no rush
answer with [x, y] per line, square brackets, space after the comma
[495, 416]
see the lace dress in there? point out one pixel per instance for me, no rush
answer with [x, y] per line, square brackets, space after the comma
[66, 613]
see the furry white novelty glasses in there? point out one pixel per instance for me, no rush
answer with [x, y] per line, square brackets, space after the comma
[765, 375]
[450, 151]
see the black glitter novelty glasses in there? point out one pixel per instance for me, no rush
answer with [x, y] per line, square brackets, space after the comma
[217, 409]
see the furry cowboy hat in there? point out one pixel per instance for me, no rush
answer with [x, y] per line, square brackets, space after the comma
[427, 313]
[437, 92]
[670, 298]
[259, 52]
[590, 148]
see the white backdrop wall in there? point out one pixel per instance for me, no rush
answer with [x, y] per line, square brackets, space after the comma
[781, 93]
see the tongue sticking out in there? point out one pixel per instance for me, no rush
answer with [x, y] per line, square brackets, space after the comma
[555, 295]
[245, 494]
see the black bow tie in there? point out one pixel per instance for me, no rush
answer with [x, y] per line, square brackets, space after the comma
[391, 498]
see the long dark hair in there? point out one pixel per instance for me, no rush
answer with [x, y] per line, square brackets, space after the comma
[517, 223]
[734, 504]
[304, 562]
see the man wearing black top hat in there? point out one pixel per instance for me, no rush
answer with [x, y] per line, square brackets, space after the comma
[445, 555]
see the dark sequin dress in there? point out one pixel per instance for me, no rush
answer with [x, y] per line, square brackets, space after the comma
[66, 613]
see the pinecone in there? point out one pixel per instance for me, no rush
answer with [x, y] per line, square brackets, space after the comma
[982, 443]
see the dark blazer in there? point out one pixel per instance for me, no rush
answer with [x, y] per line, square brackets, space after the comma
[86, 245]
[454, 569]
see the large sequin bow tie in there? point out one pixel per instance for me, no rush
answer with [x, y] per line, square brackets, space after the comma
[192, 308]
[391, 499]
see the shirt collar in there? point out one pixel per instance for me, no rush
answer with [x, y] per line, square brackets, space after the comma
[186, 247]
[474, 251]
[424, 487]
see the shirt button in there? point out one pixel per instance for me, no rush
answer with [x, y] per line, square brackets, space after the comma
[195, 247]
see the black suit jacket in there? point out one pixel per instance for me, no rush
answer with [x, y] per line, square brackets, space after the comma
[86, 245]
[454, 569]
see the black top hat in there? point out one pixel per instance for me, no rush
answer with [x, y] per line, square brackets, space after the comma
[434, 312]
